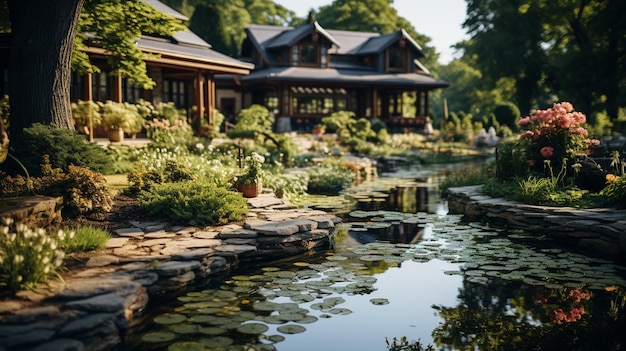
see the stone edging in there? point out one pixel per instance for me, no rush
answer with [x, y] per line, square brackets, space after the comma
[599, 231]
[92, 308]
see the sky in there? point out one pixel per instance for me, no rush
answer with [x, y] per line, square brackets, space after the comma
[441, 20]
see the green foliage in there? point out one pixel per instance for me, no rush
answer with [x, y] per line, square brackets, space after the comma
[252, 120]
[164, 134]
[117, 26]
[84, 110]
[83, 191]
[65, 147]
[329, 177]
[508, 114]
[5, 111]
[469, 175]
[143, 179]
[27, 256]
[196, 203]
[124, 116]
[83, 238]
[253, 169]
[615, 191]
[403, 344]
[338, 120]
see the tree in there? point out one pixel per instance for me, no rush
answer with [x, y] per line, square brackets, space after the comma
[44, 36]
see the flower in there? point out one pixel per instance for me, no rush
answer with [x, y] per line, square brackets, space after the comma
[547, 151]
[253, 170]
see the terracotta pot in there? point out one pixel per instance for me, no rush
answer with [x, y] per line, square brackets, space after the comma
[115, 135]
[249, 190]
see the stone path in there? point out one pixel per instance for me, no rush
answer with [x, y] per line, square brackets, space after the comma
[94, 305]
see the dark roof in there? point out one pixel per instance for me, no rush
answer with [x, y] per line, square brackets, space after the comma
[378, 44]
[305, 75]
[292, 36]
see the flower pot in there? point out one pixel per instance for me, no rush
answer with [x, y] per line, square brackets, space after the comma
[116, 135]
[249, 190]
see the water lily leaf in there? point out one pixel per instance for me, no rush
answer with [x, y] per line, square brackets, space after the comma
[216, 342]
[275, 338]
[184, 328]
[186, 346]
[379, 301]
[160, 336]
[265, 306]
[291, 329]
[253, 328]
[173, 318]
[300, 298]
[212, 330]
[342, 311]
[301, 264]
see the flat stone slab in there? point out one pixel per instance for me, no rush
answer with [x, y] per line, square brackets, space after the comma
[175, 268]
[289, 227]
[160, 234]
[192, 255]
[130, 232]
[205, 234]
[116, 242]
[100, 303]
[103, 260]
[195, 243]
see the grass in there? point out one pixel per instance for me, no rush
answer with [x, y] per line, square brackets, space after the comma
[116, 183]
[86, 238]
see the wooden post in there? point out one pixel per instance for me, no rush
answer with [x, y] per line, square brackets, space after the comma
[89, 96]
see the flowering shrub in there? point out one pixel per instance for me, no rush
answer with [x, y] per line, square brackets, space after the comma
[164, 133]
[27, 256]
[554, 134]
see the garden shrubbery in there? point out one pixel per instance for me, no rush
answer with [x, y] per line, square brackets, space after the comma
[329, 178]
[198, 203]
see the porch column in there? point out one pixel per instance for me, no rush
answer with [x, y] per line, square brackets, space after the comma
[198, 99]
[88, 90]
[375, 103]
[211, 96]
[426, 103]
[117, 89]
[418, 103]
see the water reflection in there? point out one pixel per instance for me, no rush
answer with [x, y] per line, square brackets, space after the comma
[459, 287]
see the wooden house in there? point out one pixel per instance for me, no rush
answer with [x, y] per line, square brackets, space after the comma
[303, 74]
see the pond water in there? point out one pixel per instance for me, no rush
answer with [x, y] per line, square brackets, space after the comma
[424, 275]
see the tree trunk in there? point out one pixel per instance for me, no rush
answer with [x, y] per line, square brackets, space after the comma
[43, 33]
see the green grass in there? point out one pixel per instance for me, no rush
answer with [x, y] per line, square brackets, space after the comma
[86, 238]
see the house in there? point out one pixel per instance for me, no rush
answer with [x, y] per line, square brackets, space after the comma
[183, 68]
[303, 74]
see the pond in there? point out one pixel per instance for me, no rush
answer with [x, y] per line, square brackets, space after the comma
[424, 275]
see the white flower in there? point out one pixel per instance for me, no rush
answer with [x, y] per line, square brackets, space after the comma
[200, 146]
[7, 221]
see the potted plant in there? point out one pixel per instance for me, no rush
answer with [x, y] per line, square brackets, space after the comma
[250, 182]
[86, 114]
[116, 118]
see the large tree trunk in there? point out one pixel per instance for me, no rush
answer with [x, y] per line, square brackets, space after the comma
[43, 33]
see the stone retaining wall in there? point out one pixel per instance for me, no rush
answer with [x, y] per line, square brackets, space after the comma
[96, 303]
[599, 231]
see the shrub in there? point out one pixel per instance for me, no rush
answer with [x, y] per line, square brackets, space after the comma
[83, 238]
[615, 191]
[170, 135]
[329, 178]
[252, 120]
[196, 203]
[507, 114]
[27, 256]
[65, 147]
[83, 191]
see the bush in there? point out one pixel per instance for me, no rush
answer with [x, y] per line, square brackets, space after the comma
[83, 191]
[615, 191]
[27, 256]
[252, 120]
[65, 147]
[508, 114]
[329, 178]
[83, 238]
[197, 203]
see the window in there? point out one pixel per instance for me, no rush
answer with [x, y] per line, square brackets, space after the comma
[318, 101]
[101, 87]
[175, 91]
[131, 93]
[395, 60]
[308, 54]
[271, 102]
[77, 87]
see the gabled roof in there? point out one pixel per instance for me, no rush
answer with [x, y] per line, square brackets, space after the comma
[166, 9]
[378, 44]
[292, 36]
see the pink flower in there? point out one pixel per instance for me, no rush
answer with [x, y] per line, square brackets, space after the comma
[530, 163]
[527, 135]
[524, 121]
[594, 142]
[547, 151]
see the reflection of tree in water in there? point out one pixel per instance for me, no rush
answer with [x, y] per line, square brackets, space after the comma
[504, 315]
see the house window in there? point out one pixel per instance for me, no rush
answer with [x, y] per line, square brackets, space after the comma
[77, 87]
[294, 56]
[131, 93]
[395, 60]
[101, 87]
[315, 101]
[271, 102]
[323, 58]
[175, 91]
[308, 54]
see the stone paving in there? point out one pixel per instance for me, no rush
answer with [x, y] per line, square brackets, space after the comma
[93, 306]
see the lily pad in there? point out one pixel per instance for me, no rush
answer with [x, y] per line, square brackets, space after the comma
[173, 318]
[161, 336]
[216, 342]
[186, 346]
[253, 328]
[379, 301]
[291, 329]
